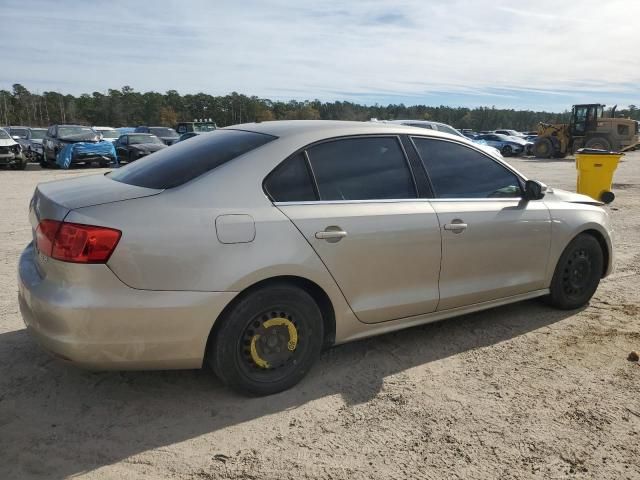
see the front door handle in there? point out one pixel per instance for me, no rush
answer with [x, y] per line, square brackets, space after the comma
[456, 226]
[331, 234]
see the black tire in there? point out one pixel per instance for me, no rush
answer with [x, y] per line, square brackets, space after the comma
[507, 151]
[577, 273]
[543, 148]
[250, 360]
[600, 143]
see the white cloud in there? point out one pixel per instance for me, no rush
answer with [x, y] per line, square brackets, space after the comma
[366, 49]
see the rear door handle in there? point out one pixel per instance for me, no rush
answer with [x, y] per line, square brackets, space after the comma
[331, 234]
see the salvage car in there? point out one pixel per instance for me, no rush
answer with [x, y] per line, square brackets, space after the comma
[508, 146]
[252, 247]
[443, 127]
[168, 135]
[11, 152]
[132, 146]
[59, 136]
[108, 133]
[32, 144]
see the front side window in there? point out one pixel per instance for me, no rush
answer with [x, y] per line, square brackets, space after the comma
[291, 181]
[369, 168]
[457, 171]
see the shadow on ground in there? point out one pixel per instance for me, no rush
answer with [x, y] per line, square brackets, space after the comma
[97, 419]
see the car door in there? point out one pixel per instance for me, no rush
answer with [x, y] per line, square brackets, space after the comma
[122, 147]
[495, 244]
[361, 214]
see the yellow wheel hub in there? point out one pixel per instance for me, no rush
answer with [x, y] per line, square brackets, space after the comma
[273, 322]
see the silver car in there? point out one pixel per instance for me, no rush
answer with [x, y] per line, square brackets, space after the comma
[252, 247]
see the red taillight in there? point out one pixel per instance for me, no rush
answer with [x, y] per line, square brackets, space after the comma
[73, 242]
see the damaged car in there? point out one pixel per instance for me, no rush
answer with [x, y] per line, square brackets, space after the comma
[133, 146]
[11, 153]
[90, 147]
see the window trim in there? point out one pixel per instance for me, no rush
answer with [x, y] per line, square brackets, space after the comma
[521, 180]
[319, 201]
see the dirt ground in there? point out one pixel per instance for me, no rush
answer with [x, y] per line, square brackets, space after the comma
[521, 391]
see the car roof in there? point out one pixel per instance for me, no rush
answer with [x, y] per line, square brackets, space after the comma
[330, 128]
[139, 133]
[103, 128]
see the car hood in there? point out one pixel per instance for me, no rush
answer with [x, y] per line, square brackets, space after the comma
[571, 197]
[36, 140]
[81, 137]
[150, 147]
[7, 142]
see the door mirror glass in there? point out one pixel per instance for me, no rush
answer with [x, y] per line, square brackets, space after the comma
[534, 190]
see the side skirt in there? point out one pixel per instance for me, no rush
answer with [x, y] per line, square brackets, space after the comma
[370, 330]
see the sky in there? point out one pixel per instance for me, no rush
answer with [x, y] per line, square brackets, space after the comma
[521, 54]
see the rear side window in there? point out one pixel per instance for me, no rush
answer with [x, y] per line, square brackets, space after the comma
[369, 168]
[184, 161]
[291, 181]
[457, 171]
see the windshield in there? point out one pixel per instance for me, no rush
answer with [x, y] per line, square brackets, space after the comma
[108, 133]
[19, 132]
[4, 135]
[38, 134]
[163, 132]
[137, 139]
[68, 131]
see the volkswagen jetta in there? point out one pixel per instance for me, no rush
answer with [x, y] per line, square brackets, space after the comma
[250, 248]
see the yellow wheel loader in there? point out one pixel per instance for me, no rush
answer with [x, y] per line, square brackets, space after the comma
[588, 128]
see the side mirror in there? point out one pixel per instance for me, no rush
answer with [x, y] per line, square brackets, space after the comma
[534, 190]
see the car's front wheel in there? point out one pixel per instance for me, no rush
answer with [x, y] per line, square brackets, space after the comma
[507, 151]
[268, 340]
[577, 273]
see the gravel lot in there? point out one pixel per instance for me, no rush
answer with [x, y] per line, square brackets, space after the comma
[521, 391]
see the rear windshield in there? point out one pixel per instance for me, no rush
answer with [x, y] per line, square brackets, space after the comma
[184, 161]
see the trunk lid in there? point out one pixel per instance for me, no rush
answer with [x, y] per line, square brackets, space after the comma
[54, 200]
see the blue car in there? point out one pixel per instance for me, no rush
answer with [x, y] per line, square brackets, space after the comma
[508, 146]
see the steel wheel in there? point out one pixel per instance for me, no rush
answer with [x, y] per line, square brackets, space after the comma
[577, 273]
[268, 340]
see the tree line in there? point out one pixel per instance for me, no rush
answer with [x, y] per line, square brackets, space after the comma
[127, 107]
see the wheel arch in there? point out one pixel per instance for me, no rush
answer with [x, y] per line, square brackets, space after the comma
[317, 293]
[604, 246]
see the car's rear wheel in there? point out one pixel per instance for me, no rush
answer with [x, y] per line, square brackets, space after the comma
[507, 151]
[577, 273]
[268, 340]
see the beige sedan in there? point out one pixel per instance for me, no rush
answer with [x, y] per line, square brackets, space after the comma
[252, 247]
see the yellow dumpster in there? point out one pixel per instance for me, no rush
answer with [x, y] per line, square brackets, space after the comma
[595, 172]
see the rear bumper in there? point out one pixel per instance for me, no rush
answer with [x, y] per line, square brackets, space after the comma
[109, 326]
